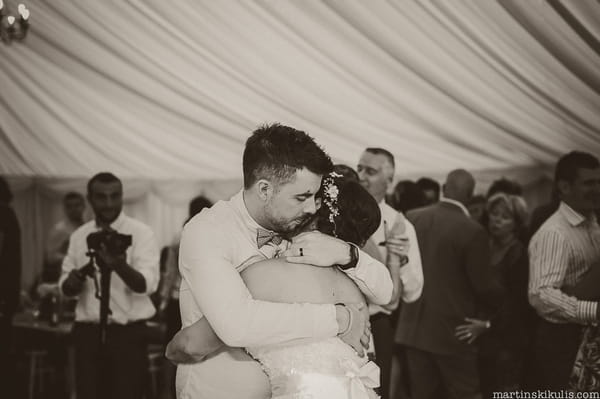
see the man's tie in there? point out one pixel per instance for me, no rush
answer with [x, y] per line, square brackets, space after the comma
[263, 237]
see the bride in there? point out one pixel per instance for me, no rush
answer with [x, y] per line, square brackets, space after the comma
[323, 368]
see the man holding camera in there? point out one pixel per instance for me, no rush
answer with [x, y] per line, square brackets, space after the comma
[115, 248]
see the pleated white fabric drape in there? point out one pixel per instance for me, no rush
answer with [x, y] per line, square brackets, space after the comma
[164, 94]
[159, 89]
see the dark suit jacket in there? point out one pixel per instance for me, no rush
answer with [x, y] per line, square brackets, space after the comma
[458, 280]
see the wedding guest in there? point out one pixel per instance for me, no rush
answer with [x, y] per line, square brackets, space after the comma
[476, 208]
[407, 195]
[560, 253]
[394, 235]
[10, 281]
[458, 284]
[58, 237]
[430, 188]
[504, 185]
[505, 337]
[117, 367]
[56, 247]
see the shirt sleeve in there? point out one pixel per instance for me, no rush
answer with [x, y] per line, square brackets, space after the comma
[145, 259]
[548, 257]
[69, 262]
[411, 274]
[223, 298]
[373, 278]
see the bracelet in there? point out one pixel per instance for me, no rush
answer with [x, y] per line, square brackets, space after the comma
[350, 319]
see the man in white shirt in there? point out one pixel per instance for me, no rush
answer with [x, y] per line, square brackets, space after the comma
[116, 368]
[283, 168]
[395, 234]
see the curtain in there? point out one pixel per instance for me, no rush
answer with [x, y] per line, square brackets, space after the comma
[164, 94]
[171, 90]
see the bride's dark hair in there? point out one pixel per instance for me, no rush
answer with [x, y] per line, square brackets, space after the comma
[348, 211]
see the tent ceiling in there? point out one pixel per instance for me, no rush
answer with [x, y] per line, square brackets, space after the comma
[165, 90]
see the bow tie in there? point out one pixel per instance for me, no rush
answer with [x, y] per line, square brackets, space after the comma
[263, 237]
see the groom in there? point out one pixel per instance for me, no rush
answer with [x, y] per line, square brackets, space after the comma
[282, 173]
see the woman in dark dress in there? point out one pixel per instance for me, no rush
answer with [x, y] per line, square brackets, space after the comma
[504, 337]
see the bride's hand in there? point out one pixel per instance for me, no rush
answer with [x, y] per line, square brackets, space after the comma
[318, 249]
[353, 321]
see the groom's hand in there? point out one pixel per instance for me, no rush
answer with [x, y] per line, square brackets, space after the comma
[318, 249]
[353, 326]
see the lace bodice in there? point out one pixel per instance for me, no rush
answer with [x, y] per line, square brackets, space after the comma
[323, 369]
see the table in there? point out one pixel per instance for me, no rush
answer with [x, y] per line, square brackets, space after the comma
[62, 331]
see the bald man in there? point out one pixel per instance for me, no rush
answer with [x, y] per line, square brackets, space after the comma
[459, 284]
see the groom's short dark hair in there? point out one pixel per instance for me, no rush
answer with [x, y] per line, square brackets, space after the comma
[276, 152]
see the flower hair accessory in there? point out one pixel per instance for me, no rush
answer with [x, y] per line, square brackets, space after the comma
[330, 197]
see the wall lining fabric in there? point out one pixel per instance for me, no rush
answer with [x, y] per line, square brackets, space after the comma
[164, 94]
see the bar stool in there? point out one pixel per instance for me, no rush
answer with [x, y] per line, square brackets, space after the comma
[155, 367]
[39, 371]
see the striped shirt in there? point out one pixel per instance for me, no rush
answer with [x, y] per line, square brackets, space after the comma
[560, 253]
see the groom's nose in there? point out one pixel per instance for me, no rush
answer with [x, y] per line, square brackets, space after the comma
[310, 206]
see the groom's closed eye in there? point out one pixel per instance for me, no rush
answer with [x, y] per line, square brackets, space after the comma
[303, 197]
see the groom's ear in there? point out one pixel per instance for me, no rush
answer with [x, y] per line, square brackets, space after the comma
[264, 189]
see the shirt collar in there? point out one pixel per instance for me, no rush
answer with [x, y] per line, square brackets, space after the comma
[117, 224]
[573, 217]
[457, 203]
[382, 204]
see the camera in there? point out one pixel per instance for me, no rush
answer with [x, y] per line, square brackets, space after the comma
[115, 243]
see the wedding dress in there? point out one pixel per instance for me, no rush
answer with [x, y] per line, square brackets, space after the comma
[322, 369]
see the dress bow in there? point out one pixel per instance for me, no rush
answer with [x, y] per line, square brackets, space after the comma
[361, 378]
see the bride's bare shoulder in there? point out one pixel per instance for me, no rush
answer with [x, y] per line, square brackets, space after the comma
[264, 278]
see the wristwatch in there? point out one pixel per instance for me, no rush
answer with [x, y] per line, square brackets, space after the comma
[353, 258]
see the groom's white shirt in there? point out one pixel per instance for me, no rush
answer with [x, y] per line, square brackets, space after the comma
[216, 246]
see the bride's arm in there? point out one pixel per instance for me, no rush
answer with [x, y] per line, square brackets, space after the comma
[370, 275]
[194, 343]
